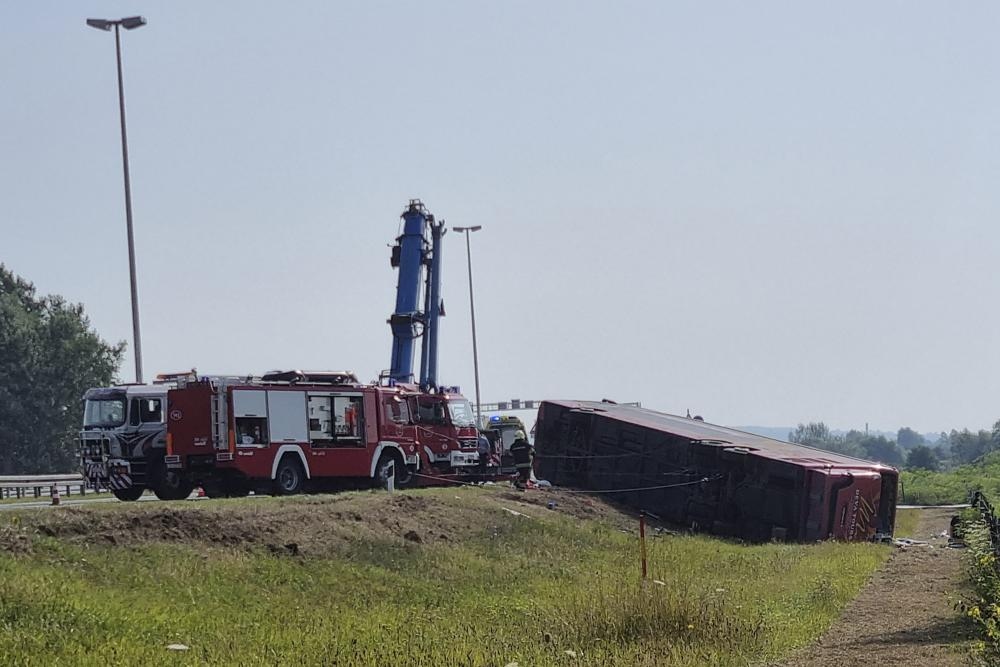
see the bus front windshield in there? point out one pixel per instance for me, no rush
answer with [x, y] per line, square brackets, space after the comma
[461, 412]
[104, 412]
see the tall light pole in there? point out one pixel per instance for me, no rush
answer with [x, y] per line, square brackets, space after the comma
[472, 308]
[129, 23]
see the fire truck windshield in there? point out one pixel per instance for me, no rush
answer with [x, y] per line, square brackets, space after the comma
[461, 412]
[104, 412]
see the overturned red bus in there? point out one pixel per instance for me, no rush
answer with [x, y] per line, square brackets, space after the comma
[714, 478]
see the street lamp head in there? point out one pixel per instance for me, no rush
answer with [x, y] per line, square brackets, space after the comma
[129, 23]
[100, 24]
[133, 22]
[475, 228]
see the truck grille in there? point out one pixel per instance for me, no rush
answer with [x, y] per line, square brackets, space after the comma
[94, 448]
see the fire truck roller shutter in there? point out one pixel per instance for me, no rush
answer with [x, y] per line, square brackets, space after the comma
[249, 403]
[288, 414]
[296, 449]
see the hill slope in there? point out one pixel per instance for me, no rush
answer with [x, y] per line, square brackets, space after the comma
[473, 576]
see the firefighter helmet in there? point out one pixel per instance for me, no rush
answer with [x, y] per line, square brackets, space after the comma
[519, 435]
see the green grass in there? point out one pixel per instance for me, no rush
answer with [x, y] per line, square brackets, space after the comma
[906, 523]
[983, 608]
[550, 590]
[923, 487]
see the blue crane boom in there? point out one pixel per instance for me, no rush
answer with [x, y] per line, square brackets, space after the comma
[417, 255]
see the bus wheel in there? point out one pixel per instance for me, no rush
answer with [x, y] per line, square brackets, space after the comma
[290, 478]
[129, 494]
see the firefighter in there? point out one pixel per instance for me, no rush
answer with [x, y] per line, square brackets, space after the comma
[484, 448]
[523, 454]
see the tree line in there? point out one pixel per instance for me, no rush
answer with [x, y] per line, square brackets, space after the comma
[49, 356]
[910, 449]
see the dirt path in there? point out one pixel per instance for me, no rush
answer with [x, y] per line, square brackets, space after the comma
[905, 615]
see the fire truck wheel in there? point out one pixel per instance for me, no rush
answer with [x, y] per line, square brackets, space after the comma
[290, 477]
[129, 494]
[173, 488]
[168, 484]
[388, 462]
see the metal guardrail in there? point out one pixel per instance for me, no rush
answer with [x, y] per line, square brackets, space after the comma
[515, 404]
[980, 502]
[24, 486]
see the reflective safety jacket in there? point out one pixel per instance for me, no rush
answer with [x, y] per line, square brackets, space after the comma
[523, 453]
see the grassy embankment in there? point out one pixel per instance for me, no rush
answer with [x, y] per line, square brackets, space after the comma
[923, 487]
[549, 589]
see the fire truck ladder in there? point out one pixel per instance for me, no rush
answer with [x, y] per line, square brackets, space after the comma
[220, 418]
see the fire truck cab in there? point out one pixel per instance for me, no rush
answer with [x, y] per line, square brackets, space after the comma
[123, 441]
[285, 430]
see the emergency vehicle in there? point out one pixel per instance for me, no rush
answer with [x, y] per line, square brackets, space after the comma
[232, 434]
[501, 429]
[123, 441]
[285, 431]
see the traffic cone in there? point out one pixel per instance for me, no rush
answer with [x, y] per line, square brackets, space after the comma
[55, 495]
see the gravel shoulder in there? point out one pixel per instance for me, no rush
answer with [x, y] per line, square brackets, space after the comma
[906, 614]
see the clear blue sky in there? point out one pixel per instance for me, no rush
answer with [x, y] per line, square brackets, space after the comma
[764, 212]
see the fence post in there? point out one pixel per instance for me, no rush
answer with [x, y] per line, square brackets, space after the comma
[642, 542]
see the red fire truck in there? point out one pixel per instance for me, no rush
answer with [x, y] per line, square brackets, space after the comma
[284, 431]
[287, 430]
